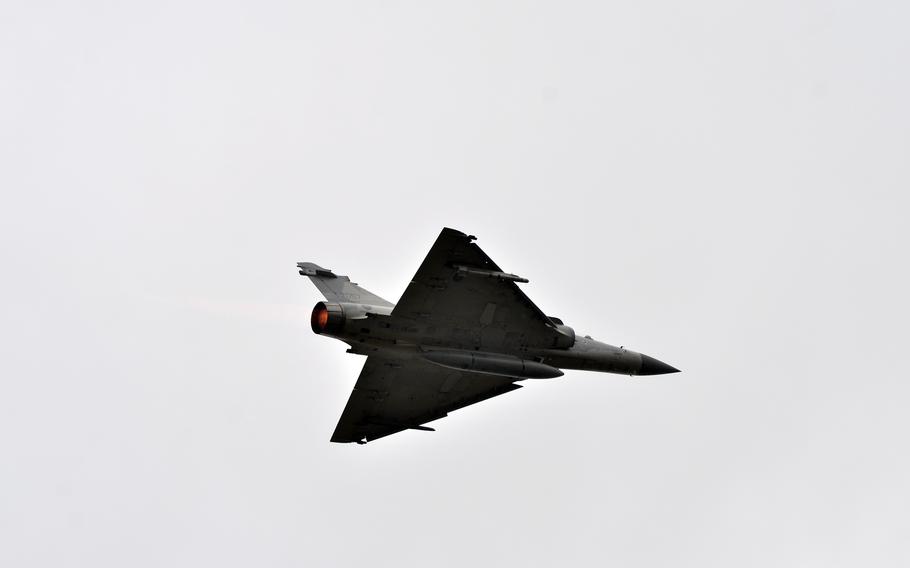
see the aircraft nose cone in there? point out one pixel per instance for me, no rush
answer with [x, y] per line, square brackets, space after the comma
[651, 366]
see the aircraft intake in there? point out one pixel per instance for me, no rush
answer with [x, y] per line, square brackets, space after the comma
[490, 364]
[565, 338]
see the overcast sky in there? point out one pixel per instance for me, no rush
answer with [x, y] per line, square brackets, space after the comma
[721, 185]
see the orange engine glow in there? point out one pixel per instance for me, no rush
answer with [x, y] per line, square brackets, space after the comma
[320, 317]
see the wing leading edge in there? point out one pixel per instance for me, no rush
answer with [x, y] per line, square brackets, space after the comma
[460, 288]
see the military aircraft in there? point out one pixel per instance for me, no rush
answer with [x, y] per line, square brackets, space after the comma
[462, 332]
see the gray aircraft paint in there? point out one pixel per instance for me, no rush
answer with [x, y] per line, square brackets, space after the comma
[462, 332]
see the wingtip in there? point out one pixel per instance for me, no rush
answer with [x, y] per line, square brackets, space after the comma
[457, 233]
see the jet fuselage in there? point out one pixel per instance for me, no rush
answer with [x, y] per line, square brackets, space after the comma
[373, 330]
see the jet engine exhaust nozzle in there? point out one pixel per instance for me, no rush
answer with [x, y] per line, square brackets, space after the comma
[327, 318]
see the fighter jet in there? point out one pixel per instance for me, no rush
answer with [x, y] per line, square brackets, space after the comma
[462, 332]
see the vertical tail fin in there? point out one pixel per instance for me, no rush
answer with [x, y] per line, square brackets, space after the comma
[339, 288]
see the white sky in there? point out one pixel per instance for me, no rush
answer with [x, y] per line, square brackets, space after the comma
[721, 185]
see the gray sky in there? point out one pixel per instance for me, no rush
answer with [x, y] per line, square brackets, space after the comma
[722, 185]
